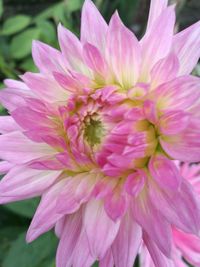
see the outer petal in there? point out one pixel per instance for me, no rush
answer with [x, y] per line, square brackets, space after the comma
[7, 124]
[45, 87]
[181, 210]
[93, 26]
[12, 98]
[127, 243]
[189, 246]
[82, 256]
[123, 53]
[17, 148]
[164, 70]
[5, 166]
[72, 50]
[46, 214]
[157, 256]
[157, 42]
[165, 173]
[22, 182]
[96, 218]
[179, 94]
[116, 204]
[69, 238]
[153, 222]
[46, 58]
[186, 46]
[173, 122]
[107, 261]
[156, 8]
[184, 146]
[95, 60]
[76, 191]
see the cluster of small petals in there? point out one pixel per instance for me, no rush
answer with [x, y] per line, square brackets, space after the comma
[96, 133]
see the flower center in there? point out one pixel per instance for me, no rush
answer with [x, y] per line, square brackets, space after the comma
[93, 131]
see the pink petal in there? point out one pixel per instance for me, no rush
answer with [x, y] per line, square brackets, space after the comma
[69, 239]
[12, 99]
[30, 119]
[5, 166]
[46, 58]
[96, 218]
[17, 148]
[7, 124]
[165, 173]
[94, 60]
[46, 215]
[123, 52]
[135, 183]
[153, 222]
[173, 122]
[16, 84]
[22, 182]
[93, 26]
[158, 257]
[179, 94]
[71, 48]
[127, 242]
[156, 8]
[107, 260]
[184, 146]
[156, 44]
[186, 46]
[189, 245]
[164, 70]
[116, 204]
[182, 209]
[82, 256]
[76, 191]
[45, 87]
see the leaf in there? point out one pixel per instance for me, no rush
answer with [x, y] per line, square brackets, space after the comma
[24, 208]
[15, 24]
[74, 5]
[22, 43]
[1, 7]
[47, 13]
[28, 65]
[31, 255]
[48, 32]
[8, 234]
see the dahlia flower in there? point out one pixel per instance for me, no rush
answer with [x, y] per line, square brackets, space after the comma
[95, 133]
[184, 244]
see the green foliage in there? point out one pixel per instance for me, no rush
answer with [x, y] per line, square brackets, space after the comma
[21, 44]
[38, 253]
[24, 208]
[15, 24]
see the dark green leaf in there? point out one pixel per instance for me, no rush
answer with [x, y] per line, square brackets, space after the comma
[25, 208]
[15, 24]
[8, 234]
[22, 43]
[1, 7]
[48, 32]
[74, 5]
[28, 65]
[31, 255]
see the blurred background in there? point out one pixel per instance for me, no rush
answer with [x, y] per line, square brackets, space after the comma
[21, 21]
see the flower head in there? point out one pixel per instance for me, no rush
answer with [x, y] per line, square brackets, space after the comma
[95, 133]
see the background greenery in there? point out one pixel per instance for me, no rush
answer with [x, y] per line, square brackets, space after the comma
[21, 21]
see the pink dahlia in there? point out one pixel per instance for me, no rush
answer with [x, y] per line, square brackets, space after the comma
[95, 133]
[184, 244]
